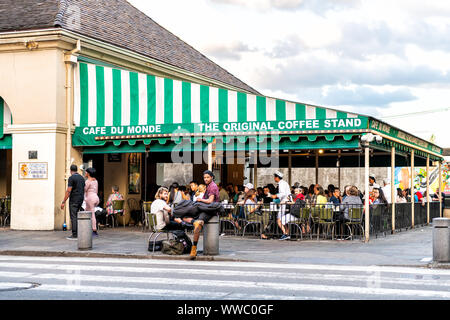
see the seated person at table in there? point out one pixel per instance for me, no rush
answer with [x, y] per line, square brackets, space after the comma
[320, 196]
[336, 197]
[252, 206]
[223, 194]
[200, 192]
[266, 197]
[115, 195]
[352, 200]
[298, 194]
[161, 209]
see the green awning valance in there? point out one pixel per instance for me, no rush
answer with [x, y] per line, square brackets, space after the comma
[248, 143]
[115, 103]
[5, 117]
[6, 142]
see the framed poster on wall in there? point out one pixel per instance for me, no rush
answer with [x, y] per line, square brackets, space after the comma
[134, 173]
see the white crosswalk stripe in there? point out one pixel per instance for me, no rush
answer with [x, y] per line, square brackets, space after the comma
[179, 279]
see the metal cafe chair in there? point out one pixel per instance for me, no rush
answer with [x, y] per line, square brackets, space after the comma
[118, 210]
[326, 220]
[251, 218]
[228, 219]
[134, 208]
[303, 219]
[146, 209]
[7, 211]
[151, 217]
[355, 215]
[2, 211]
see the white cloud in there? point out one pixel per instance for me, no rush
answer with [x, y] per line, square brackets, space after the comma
[379, 57]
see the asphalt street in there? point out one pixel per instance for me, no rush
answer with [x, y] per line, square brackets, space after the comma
[62, 278]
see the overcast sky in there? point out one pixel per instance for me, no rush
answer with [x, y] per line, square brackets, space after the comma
[381, 58]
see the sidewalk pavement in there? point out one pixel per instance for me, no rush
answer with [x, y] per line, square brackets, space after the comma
[408, 248]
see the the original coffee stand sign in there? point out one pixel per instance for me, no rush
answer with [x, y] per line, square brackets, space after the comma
[289, 126]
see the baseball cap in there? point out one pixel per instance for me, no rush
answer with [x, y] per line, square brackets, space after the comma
[249, 186]
[279, 174]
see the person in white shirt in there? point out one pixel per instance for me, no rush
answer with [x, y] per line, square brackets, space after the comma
[161, 209]
[387, 190]
[284, 190]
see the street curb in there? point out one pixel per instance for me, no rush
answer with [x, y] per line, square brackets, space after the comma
[438, 265]
[85, 254]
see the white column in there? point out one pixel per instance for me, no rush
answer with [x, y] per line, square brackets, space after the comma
[428, 189]
[440, 189]
[35, 204]
[413, 176]
[393, 190]
[366, 197]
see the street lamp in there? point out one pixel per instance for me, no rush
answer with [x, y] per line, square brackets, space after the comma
[368, 138]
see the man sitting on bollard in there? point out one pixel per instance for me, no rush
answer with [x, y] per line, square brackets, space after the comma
[211, 195]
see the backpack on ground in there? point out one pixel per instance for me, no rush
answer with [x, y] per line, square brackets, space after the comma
[172, 247]
[156, 244]
[181, 237]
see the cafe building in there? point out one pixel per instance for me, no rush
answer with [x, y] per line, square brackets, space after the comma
[98, 83]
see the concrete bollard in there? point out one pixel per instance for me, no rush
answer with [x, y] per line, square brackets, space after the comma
[441, 240]
[211, 233]
[84, 230]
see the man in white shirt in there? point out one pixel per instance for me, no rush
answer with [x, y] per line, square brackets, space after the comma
[387, 190]
[161, 209]
[284, 190]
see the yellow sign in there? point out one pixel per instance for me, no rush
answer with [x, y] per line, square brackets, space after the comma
[33, 170]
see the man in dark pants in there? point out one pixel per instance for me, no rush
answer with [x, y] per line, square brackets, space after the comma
[211, 195]
[75, 193]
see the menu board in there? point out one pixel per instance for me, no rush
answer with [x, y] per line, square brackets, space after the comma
[33, 170]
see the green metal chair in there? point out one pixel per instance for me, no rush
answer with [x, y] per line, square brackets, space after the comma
[326, 220]
[146, 209]
[315, 219]
[118, 210]
[152, 223]
[228, 219]
[355, 216]
[299, 221]
[252, 218]
[305, 215]
[7, 214]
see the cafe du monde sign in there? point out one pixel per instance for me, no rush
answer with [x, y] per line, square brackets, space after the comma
[267, 126]
[88, 135]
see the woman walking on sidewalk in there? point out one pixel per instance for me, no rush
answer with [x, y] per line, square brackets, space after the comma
[91, 197]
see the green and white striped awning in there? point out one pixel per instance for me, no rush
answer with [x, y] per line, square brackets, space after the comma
[118, 105]
[5, 120]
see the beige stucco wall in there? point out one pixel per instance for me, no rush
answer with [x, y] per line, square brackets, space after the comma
[307, 176]
[32, 84]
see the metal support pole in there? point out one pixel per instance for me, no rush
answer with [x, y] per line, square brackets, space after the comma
[393, 193]
[339, 169]
[428, 189]
[317, 167]
[210, 159]
[366, 197]
[440, 189]
[413, 176]
[290, 168]
[255, 174]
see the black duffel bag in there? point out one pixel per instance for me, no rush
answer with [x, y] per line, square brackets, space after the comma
[157, 244]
